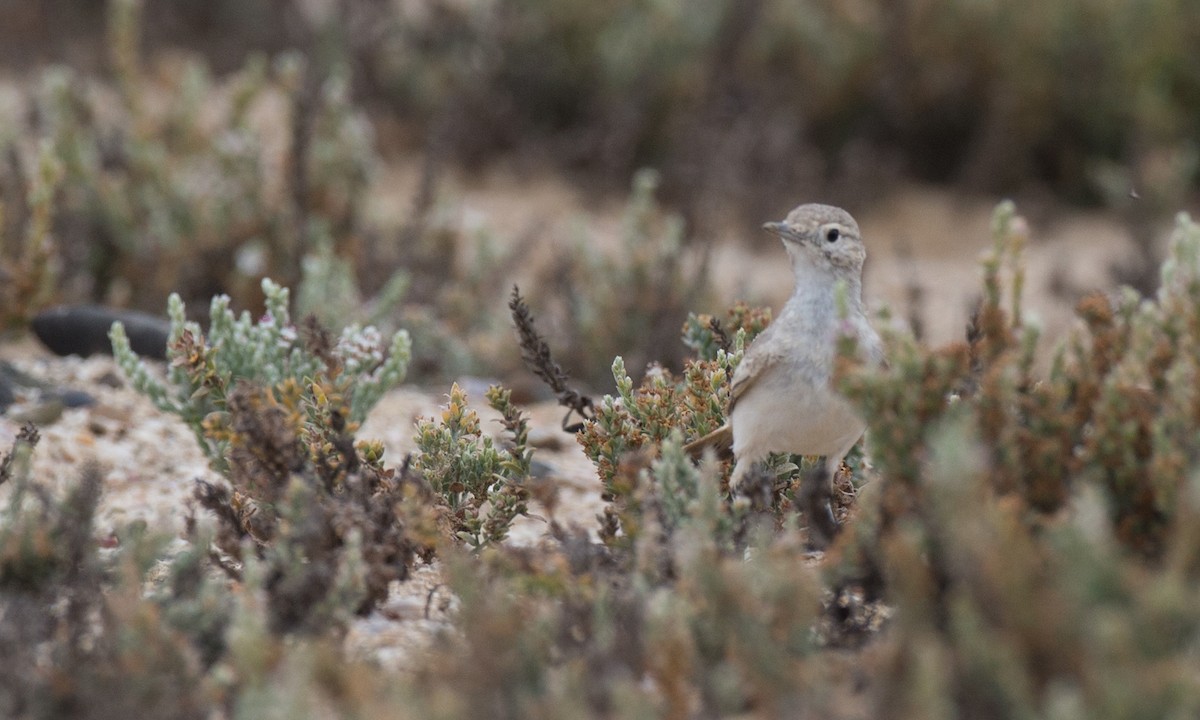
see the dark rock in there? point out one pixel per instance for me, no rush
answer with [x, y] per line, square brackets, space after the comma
[539, 469]
[49, 401]
[83, 330]
[75, 398]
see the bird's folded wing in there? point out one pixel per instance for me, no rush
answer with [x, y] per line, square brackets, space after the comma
[754, 367]
[755, 364]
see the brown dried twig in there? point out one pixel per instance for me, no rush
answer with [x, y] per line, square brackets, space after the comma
[719, 333]
[27, 436]
[914, 290]
[536, 354]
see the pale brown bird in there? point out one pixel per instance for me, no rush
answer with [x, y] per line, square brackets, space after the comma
[781, 399]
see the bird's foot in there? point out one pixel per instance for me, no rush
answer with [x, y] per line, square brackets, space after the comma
[814, 498]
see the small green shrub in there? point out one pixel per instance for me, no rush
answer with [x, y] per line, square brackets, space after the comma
[276, 414]
[327, 526]
[469, 471]
[204, 370]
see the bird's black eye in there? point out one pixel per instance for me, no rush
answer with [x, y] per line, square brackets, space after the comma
[832, 235]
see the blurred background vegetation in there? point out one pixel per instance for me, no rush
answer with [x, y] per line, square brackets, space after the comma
[995, 95]
[207, 145]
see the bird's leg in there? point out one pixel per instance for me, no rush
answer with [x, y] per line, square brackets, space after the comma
[814, 498]
[758, 485]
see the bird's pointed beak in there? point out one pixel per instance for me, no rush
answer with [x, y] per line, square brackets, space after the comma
[783, 230]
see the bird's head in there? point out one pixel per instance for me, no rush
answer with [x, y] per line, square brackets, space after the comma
[822, 236]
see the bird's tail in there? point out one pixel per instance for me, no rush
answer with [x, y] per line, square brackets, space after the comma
[720, 440]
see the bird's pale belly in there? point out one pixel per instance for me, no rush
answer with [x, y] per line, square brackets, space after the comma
[771, 419]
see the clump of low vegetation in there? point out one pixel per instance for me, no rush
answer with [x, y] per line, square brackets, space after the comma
[29, 262]
[79, 637]
[1032, 529]
[302, 363]
[132, 628]
[275, 408]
